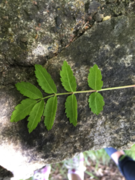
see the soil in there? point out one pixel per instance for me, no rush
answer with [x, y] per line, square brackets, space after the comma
[100, 172]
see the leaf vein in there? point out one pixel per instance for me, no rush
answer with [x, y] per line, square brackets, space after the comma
[47, 82]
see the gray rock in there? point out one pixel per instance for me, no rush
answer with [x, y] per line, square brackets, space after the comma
[111, 1]
[24, 26]
[98, 17]
[35, 31]
[94, 7]
[32, 33]
[4, 174]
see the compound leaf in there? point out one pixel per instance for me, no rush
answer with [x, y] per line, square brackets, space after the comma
[50, 112]
[22, 110]
[44, 80]
[67, 78]
[29, 90]
[94, 78]
[71, 109]
[35, 116]
[96, 102]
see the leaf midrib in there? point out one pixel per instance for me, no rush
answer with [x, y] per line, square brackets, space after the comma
[24, 109]
[73, 110]
[31, 91]
[53, 103]
[96, 103]
[33, 122]
[69, 80]
[47, 82]
[95, 79]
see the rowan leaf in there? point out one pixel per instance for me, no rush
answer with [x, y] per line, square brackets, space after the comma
[35, 116]
[50, 112]
[67, 78]
[29, 90]
[96, 102]
[23, 109]
[71, 109]
[44, 80]
[94, 78]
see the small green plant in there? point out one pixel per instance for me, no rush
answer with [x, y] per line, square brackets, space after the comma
[98, 156]
[131, 152]
[35, 105]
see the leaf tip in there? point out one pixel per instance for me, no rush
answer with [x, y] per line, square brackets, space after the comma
[65, 62]
[17, 84]
[11, 120]
[29, 128]
[75, 124]
[36, 65]
[49, 128]
[30, 131]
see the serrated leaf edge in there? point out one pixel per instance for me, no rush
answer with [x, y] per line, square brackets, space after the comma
[46, 80]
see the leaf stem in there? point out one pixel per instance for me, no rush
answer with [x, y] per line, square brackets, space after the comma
[48, 96]
[106, 89]
[113, 88]
[59, 94]
[89, 91]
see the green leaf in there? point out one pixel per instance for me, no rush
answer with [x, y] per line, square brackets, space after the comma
[50, 112]
[35, 116]
[94, 78]
[29, 90]
[22, 110]
[67, 78]
[71, 109]
[44, 80]
[96, 102]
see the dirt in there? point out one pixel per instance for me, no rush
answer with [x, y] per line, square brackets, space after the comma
[100, 172]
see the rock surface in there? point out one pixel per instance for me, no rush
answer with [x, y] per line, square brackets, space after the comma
[34, 31]
[24, 41]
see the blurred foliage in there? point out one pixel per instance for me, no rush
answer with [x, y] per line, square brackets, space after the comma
[131, 152]
[99, 156]
[59, 171]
